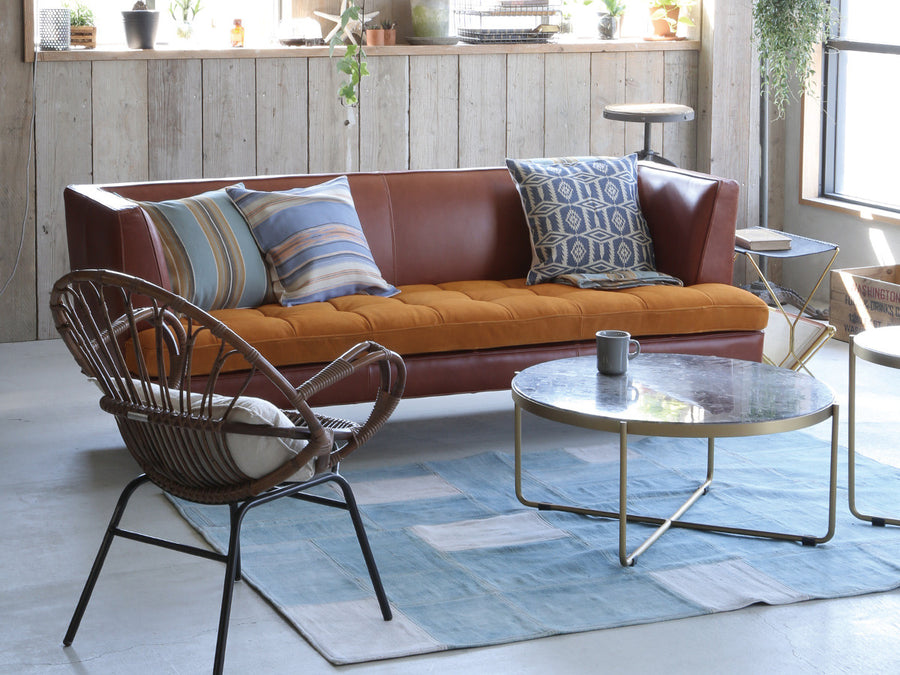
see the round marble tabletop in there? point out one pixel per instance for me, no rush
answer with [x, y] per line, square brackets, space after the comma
[675, 395]
[879, 345]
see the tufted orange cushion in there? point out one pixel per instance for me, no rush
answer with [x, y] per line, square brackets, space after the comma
[482, 315]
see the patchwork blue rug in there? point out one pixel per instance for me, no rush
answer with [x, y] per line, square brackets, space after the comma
[465, 565]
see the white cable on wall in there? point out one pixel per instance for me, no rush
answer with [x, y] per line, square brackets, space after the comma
[27, 185]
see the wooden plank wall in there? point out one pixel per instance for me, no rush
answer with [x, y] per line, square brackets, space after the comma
[136, 120]
[18, 315]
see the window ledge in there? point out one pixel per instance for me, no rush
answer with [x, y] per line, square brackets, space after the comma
[860, 211]
[117, 53]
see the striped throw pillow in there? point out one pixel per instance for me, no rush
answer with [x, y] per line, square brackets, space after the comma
[212, 258]
[313, 242]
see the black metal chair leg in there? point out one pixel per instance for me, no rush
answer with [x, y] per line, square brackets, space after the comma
[233, 507]
[364, 546]
[101, 557]
[231, 573]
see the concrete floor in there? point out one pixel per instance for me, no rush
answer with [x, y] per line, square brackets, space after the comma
[62, 466]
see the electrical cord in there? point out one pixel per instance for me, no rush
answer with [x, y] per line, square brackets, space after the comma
[18, 259]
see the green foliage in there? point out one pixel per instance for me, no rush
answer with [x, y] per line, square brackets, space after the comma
[660, 9]
[353, 62]
[614, 7]
[80, 15]
[184, 10]
[786, 33]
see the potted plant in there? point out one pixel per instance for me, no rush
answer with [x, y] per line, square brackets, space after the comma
[665, 15]
[611, 20]
[353, 62]
[82, 31]
[786, 33]
[141, 24]
[184, 12]
[384, 33]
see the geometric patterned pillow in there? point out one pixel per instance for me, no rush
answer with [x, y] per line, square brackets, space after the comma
[583, 216]
[313, 242]
[212, 258]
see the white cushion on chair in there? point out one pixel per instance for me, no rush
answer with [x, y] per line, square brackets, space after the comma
[254, 455]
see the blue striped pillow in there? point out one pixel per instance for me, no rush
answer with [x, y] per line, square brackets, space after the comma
[212, 258]
[313, 242]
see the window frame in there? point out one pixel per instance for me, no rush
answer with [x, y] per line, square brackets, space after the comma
[833, 86]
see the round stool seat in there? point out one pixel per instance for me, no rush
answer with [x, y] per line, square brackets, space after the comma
[648, 113]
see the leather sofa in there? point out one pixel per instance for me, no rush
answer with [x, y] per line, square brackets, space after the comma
[456, 244]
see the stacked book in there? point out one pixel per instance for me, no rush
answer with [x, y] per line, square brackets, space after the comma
[761, 239]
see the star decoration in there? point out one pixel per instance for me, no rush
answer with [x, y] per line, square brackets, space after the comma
[351, 27]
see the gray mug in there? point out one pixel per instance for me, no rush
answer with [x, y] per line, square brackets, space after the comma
[614, 351]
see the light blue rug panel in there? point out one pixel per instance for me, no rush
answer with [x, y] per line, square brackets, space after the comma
[465, 565]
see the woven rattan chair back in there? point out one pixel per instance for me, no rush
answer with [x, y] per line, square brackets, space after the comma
[138, 342]
[142, 345]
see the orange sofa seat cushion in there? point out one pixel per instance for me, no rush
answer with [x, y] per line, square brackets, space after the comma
[473, 315]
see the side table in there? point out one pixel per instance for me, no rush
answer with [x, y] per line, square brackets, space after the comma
[880, 346]
[817, 334]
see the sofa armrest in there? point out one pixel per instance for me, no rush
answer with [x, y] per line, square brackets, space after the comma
[692, 219]
[106, 231]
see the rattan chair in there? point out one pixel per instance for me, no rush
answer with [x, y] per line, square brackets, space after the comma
[142, 345]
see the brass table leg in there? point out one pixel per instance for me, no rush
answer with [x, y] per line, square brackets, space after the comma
[664, 524]
[829, 330]
[851, 449]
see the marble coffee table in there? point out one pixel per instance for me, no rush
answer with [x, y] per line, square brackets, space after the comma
[675, 395]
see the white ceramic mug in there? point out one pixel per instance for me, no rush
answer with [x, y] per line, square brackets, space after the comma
[614, 351]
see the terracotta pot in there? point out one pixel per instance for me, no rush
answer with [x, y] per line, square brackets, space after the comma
[374, 37]
[390, 36]
[661, 27]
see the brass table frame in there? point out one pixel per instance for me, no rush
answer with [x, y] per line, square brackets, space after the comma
[673, 430]
[882, 358]
[801, 246]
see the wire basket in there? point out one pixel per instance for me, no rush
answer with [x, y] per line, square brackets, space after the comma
[53, 29]
[508, 21]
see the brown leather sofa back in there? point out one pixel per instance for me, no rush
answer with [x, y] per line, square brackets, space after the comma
[424, 226]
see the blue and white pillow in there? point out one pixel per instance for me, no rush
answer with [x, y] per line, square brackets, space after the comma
[313, 242]
[583, 216]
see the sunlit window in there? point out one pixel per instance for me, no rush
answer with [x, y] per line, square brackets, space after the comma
[210, 28]
[860, 144]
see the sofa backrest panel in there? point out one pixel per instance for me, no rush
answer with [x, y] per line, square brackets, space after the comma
[424, 226]
[458, 226]
[691, 218]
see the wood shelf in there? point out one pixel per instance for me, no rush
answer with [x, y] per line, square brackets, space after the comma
[112, 53]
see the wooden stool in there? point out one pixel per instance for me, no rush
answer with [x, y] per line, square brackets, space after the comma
[648, 113]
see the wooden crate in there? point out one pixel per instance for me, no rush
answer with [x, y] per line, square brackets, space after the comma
[83, 36]
[863, 298]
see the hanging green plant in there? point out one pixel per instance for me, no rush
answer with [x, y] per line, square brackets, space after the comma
[353, 62]
[786, 33]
